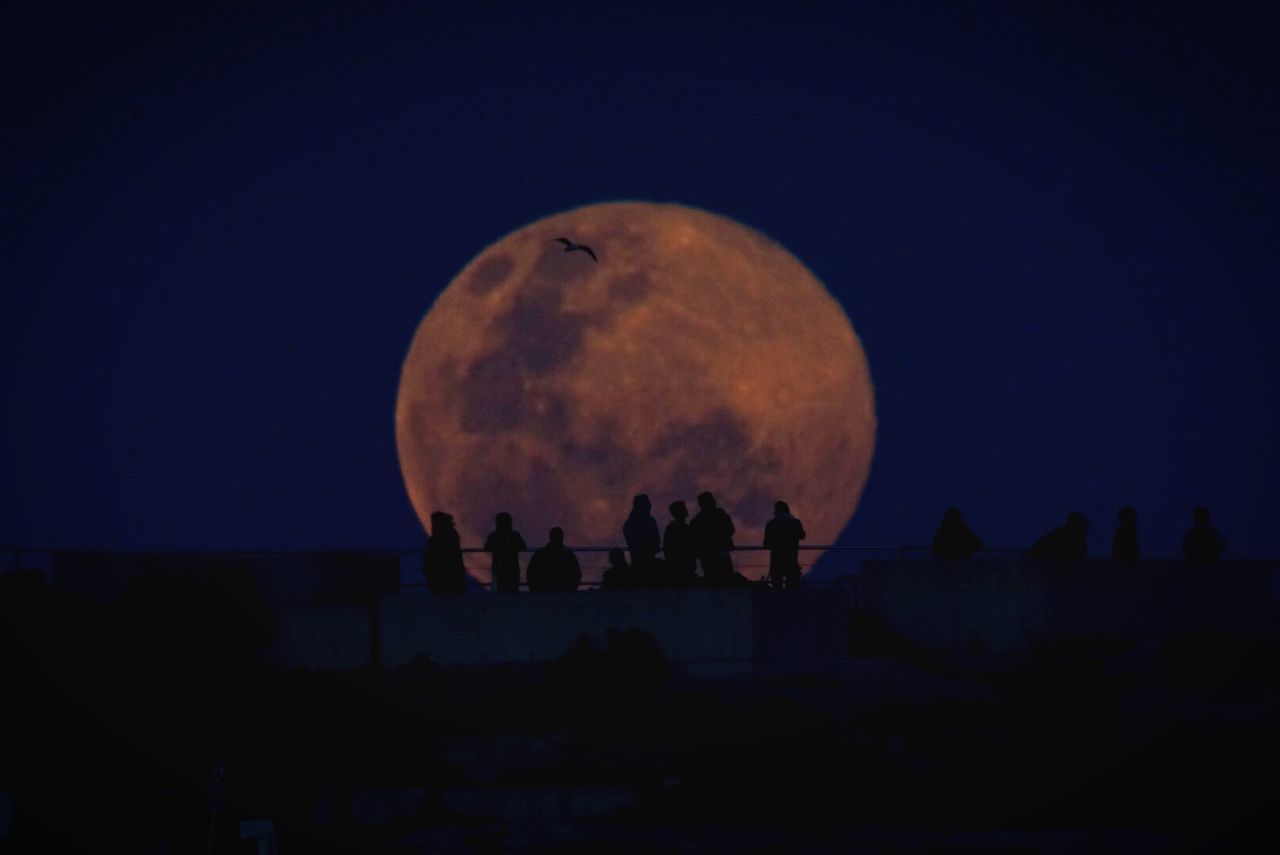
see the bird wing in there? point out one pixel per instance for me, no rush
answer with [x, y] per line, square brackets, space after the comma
[565, 241]
[588, 251]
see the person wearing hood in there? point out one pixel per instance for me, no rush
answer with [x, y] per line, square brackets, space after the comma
[954, 540]
[641, 534]
[442, 566]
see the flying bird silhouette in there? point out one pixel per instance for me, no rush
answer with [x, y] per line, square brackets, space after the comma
[570, 246]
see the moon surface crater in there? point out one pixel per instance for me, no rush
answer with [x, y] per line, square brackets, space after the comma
[697, 354]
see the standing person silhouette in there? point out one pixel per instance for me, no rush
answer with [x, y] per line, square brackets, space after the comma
[505, 544]
[1124, 543]
[641, 533]
[1203, 544]
[677, 546]
[782, 536]
[442, 565]
[712, 531]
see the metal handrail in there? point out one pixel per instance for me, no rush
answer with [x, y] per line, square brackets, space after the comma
[14, 558]
[416, 550]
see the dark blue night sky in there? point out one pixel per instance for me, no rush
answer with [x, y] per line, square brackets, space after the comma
[1056, 228]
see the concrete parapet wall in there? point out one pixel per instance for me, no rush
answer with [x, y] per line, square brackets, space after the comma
[323, 637]
[1005, 605]
[278, 578]
[706, 631]
[493, 628]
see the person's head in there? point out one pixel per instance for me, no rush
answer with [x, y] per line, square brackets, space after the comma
[952, 516]
[440, 520]
[1200, 514]
[503, 521]
[1076, 521]
[1127, 516]
[781, 508]
[678, 510]
[617, 558]
[706, 501]
[641, 503]
[556, 536]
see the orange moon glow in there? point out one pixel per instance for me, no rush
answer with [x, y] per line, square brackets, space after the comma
[697, 354]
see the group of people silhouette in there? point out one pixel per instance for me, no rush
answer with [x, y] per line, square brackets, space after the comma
[671, 558]
[686, 545]
[1202, 544]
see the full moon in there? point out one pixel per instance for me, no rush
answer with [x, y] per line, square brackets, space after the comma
[695, 354]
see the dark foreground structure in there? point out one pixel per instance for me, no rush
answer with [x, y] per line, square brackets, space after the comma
[222, 703]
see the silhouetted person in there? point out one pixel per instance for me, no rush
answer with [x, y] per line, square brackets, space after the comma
[782, 536]
[954, 540]
[641, 533]
[677, 546]
[1202, 544]
[442, 565]
[712, 531]
[1067, 542]
[619, 576]
[554, 567]
[1124, 543]
[505, 545]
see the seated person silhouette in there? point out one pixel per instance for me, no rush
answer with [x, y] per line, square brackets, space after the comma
[712, 531]
[1202, 544]
[782, 536]
[442, 566]
[505, 545]
[554, 567]
[1067, 542]
[677, 547]
[1124, 543]
[641, 534]
[954, 540]
[619, 576]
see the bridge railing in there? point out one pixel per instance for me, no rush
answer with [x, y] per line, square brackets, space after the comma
[752, 562]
